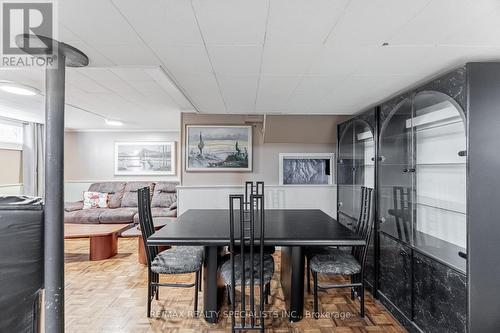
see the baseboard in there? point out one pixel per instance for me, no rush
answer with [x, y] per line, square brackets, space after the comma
[400, 316]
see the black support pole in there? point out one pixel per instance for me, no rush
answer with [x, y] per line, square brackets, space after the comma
[65, 55]
[54, 196]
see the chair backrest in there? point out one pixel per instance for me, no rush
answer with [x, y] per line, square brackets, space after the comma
[146, 222]
[402, 210]
[243, 235]
[365, 224]
[252, 188]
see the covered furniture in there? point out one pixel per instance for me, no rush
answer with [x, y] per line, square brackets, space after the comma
[21, 263]
[178, 260]
[122, 203]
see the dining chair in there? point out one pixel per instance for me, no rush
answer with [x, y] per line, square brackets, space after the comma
[341, 262]
[246, 268]
[255, 188]
[176, 260]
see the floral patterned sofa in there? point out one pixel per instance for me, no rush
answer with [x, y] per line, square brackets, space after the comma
[122, 202]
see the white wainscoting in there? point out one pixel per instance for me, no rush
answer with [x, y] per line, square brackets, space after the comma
[11, 189]
[276, 196]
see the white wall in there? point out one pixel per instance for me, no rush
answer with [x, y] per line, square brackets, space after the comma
[89, 158]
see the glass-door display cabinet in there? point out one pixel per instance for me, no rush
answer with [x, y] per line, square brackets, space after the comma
[356, 168]
[422, 152]
[433, 261]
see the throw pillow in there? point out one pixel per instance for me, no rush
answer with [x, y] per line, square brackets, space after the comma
[95, 200]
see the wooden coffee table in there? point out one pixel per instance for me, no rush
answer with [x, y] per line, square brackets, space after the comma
[103, 237]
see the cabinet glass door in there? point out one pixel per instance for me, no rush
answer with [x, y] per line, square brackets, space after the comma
[345, 172]
[395, 170]
[440, 177]
[364, 165]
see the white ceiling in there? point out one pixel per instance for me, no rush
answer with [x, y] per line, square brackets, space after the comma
[266, 56]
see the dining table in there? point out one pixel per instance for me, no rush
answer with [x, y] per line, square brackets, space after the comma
[290, 229]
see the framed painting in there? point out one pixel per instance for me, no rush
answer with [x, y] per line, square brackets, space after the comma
[218, 148]
[306, 169]
[145, 158]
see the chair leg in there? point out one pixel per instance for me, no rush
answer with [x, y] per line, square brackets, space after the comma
[315, 304]
[157, 288]
[308, 276]
[196, 282]
[201, 278]
[149, 294]
[352, 288]
[362, 300]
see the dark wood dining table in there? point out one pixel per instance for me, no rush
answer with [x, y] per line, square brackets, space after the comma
[291, 229]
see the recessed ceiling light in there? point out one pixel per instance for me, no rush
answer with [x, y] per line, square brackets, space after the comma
[111, 122]
[18, 89]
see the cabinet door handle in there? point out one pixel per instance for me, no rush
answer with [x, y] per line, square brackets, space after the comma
[462, 153]
[405, 170]
[462, 254]
[412, 170]
[403, 253]
[418, 261]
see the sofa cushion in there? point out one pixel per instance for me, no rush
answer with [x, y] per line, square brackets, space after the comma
[72, 206]
[114, 189]
[159, 212]
[117, 215]
[164, 195]
[90, 216]
[130, 195]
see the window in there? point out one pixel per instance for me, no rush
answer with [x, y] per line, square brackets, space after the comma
[11, 135]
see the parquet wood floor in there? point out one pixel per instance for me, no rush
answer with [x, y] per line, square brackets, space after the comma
[109, 296]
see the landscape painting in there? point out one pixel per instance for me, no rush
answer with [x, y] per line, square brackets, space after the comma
[218, 148]
[145, 158]
[306, 169]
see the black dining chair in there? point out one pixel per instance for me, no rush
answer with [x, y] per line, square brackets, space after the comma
[255, 188]
[341, 262]
[248, 265]
[177, 260]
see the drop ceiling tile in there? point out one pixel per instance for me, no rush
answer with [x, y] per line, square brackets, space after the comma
[374, 22]
[119, 86]
[300, 21]
[97, 73]
[96, 22]
[289, 59]
[274, 92]
[203, 90]
[235, 59]
[131, 74]
[397, 60]
[232, 21]
[338, 59]
[185, 59]
[90, 86]
[128, 54]
[239, 92]
[161, 21]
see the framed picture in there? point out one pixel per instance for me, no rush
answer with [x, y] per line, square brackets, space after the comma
[145, 158]
[218, 148]
[306, 169]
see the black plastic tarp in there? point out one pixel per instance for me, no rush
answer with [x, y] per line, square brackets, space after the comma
[21, 262]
